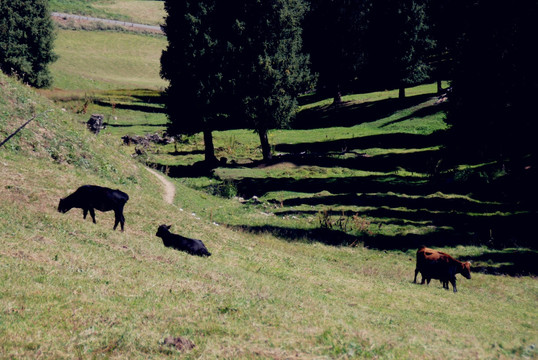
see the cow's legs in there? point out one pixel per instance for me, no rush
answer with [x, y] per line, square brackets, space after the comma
[92, 214]
[416, 273]
[84, 213]
[453, 282]
[119, 218]
[116, 220]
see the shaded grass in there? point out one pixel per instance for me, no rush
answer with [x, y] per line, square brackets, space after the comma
[381, 169]
[350, 99]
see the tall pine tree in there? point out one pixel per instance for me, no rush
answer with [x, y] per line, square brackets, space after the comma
[396, 44]
[332, 37]
[273, 68]
[495, 85]
[26, 40]
[195, 63]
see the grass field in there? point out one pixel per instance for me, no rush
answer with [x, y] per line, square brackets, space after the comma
[318, 266]
[138, 11]
[373, 146]
[97, 60]
[74, 289]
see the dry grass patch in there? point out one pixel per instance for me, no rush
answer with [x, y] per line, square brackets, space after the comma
[138, 11]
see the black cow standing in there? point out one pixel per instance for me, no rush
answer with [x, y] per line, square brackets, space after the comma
[90, 197]
[191, 246]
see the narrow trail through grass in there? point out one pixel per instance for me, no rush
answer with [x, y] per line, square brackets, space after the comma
[169, 188]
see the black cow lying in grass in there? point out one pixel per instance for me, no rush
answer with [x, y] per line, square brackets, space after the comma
[90, 197]
[191, 246]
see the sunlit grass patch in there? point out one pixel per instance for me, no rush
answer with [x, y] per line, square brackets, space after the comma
[377, 95]
[91, 60]
[137, 11]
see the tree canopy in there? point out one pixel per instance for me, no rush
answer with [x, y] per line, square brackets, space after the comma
[274, 70]
[195, 63]
[26, 40]
[241, 62]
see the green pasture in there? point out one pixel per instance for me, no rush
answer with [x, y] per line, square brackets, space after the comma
[74, 289]
[371, 145]
[313, 253]
[100, 60]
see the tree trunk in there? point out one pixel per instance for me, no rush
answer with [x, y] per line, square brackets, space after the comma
[209, 147]
[401, 92]
[266, 148]
[337, 99]
[439, 87]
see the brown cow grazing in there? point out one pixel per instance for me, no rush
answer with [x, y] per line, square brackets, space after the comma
[434, 264]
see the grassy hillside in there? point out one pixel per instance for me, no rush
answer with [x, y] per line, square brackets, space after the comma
[93, 60]
[72, 289]
[137, 11]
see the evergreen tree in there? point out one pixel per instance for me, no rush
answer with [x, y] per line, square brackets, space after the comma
[396, 44]
[333, 30]
[194, 63]
[273, 70]
[445, 32]
[26, 40]
[495, 86]
[492, 112]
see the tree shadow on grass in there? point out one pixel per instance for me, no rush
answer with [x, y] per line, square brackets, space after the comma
[199, 169]
[496, 230]
[419, 161]
[513, 262]
[396, 201]
[248, 187]
[185, 153]
[334, 237]
[420, 113]
[132, 125]
[349, 114]
[134, 107]
[383, 141]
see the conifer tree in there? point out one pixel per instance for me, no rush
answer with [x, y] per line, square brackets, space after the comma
[332, 37]
[273, 68]
[495, 86]
[396, 44]
[26, 40]
[194, 63]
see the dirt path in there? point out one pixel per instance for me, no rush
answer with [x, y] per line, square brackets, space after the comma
[169, 188]
[63, 16]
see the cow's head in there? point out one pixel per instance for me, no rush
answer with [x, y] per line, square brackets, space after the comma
[62, 206]
[466, 269]
[163, 230]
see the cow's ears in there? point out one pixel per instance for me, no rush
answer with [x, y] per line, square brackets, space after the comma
[168, 226]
